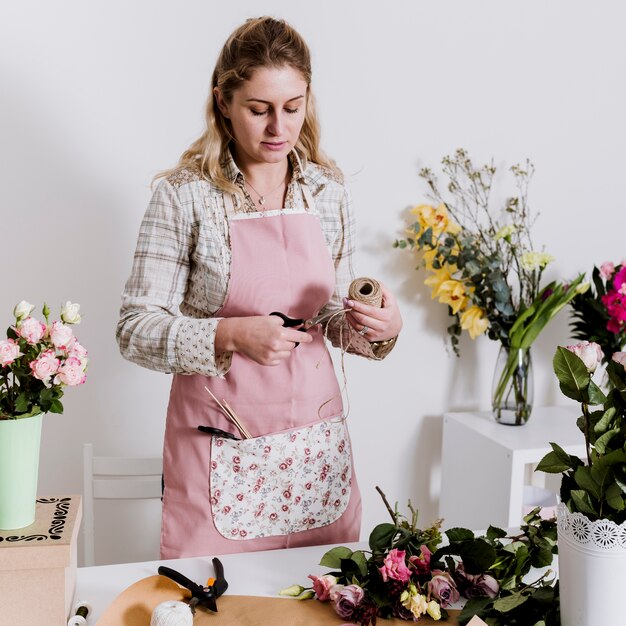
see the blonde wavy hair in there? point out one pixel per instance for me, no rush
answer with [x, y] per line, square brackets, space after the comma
[259, 42]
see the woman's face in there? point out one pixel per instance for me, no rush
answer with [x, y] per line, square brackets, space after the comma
[266, 114]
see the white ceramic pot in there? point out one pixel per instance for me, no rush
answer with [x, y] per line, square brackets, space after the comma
[592, 569]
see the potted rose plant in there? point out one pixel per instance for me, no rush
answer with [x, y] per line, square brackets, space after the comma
[37, 362]
[592, 512]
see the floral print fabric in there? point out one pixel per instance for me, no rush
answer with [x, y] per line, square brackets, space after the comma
[281, 483]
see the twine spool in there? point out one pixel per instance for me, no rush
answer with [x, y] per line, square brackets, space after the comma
[366, 290]
[172, 613]
[81, 610]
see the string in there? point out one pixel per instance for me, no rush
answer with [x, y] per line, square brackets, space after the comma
[172, 613]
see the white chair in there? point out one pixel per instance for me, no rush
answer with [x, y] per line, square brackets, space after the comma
[115, 478]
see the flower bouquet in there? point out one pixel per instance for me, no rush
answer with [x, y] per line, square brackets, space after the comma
[485, 268]
[599, 314]
[410, 574]
[592, 513]
[37, 361]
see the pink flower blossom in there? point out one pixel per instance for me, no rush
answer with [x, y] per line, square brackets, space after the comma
[395, 566]
[9, 351]
[589, 352]
[619, 357]
[79, 351]
[347, 599]
[606, 270]
[421, 563]
[322, 586]
[61, 336]
[619, 279]
[71, 373]
[44, 366]
[31, 329]
[443, 588]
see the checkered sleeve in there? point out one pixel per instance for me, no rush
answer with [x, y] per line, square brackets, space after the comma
[151, 330]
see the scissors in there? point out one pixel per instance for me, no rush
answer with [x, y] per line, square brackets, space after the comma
[206, 596]
[305, 324]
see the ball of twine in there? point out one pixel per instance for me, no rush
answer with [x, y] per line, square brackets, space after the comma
[366, 290]
[172, 613]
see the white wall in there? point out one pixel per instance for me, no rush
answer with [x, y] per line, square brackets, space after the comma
[96, 97]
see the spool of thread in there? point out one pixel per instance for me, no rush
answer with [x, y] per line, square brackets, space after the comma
[81, 610]
[172, 613]
[367, 290]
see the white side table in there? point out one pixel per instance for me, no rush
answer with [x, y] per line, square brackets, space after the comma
[483, 463]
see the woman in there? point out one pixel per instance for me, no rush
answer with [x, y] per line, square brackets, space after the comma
[254, 219]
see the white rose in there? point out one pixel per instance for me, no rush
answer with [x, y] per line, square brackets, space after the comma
[23, 310]
[590, 353]
[70, 314]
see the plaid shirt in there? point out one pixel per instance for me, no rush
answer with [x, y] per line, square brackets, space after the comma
[181, 268]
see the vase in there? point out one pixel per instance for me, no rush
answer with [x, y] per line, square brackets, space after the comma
[19, 467]
[592, 569]
[512, 392]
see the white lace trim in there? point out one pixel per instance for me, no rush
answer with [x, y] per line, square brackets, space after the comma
[602, 533]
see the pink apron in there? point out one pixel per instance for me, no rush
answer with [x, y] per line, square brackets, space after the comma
[292, 484]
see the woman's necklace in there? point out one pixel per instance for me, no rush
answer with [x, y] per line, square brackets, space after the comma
[268, 193]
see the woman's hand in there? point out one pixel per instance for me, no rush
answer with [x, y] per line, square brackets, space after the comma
[381, 323]
[262, 338]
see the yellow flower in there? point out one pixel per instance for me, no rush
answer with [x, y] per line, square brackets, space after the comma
[535, 260]
[452, 292]
[474, 321]
[436, 218]
[505, 231]
[436, 279]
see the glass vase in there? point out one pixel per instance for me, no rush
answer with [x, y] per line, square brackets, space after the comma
[512, 391]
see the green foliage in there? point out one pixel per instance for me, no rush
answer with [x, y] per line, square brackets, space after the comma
[596, 488]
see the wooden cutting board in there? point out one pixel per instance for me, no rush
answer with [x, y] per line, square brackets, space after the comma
[134, 606]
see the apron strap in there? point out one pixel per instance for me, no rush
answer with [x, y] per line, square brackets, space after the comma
[308, 196]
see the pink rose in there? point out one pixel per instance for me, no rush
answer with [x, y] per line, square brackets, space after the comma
[71, 373]
[322, 586]
[395, 566]
[347, 599]
[606, 270]
[79, 351]
[619, 357]
[9, 351]
[443, 588]
[475, 585]
[31, 329]
[590, 354]
[44, 366]
[61, 336]
[421, 563]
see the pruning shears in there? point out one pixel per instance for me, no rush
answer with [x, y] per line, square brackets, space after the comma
[305, 324]
[205, 596]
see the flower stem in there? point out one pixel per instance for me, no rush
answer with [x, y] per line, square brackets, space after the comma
[391, 511]
[587, 417]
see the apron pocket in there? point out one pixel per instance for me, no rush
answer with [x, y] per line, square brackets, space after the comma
[281, 483]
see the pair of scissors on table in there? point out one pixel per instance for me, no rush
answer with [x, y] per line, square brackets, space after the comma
[205, 596]
[305, 324]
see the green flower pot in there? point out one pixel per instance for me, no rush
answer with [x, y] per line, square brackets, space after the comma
[19, 466]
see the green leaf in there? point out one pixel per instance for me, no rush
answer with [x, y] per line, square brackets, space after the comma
[382, 536]
[596, 395]
[508, 603]
[605, 421]
[555, 462]
[56, 406]
[21, 402]
[334, 556]
[359, 558]
[494, 533]
[602, 442]
[615, 497]
[582, 502]
[459, 534]
[571, 372]
[585, 481]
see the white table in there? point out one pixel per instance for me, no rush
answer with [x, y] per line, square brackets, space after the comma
[484, 463]
[252, 573]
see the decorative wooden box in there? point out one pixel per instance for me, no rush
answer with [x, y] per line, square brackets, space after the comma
[38, 565]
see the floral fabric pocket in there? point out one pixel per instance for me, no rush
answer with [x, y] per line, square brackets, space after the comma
[281, 483]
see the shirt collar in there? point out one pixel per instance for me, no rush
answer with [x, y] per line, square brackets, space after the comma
[234, 174]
